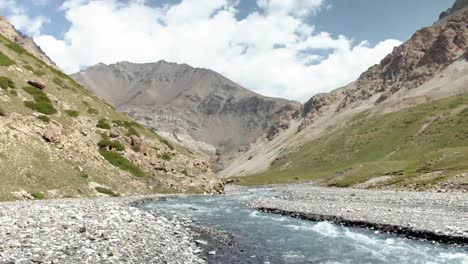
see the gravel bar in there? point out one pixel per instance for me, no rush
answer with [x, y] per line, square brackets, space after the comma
[97, 230]
[440, 217]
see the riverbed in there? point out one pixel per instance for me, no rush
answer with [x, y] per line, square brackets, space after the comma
[269, 238]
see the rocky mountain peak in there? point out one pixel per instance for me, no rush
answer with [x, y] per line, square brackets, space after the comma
[458, 5]
[9, 31]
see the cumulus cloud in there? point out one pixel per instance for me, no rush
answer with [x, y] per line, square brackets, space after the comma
[18, 16]
[272, 51]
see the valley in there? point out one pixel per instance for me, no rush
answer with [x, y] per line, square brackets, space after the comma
[164, 162]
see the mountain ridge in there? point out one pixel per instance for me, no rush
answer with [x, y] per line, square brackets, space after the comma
[181, 99]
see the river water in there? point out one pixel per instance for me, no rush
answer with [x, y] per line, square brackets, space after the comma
[281, 239]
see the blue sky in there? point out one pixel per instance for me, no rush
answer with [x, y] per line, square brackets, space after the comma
[287, 48]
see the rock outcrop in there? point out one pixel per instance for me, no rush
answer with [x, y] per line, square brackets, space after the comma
[428, 52]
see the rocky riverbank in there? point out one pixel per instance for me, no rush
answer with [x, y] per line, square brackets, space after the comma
[92, 231]
[441, 217]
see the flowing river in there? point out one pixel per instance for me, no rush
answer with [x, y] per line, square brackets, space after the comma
[281, 239]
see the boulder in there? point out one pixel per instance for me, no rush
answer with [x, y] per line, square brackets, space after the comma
[37, 85]
[52, 134]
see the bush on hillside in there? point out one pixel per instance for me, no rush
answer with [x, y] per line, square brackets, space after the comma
[102, 123]
[5, 60]
[121, 162]
[6, 83]
[72, 113]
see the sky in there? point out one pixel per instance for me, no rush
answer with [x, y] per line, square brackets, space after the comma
[282, 48]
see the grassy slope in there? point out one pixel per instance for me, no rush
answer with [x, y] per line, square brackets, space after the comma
[405, 144]
[29, 166]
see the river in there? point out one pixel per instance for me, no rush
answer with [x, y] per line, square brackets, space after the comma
[280, 239]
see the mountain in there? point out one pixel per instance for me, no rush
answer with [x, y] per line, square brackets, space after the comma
[58, 140]
[187, 102]
[402, 124]
[9, 31]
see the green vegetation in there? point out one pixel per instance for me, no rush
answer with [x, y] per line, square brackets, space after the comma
[58, 81]
[121, 162]
[38, 195]
[6, 83]
[106, 191]
[185, 172]
[102, 123]
[5, 60]
[132, 132]
[166, 157]
[2, 112]
[16, 48]
[41, 104]
[28, 67]
[166, 142]
[136, 148]
[44, 118]
[127, 124]
[84, 175]
[92, 111]
[14, 92]
[113, 145]
[403, 145]
[72, 113]
[39, 73]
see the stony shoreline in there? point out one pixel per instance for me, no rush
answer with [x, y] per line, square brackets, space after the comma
[440, 217]
[100, 230]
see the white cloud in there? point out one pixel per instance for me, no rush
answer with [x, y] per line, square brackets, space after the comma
[18, 16]
[273, 51]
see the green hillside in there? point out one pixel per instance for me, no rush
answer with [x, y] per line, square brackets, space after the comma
[60, 141]
[415, 147]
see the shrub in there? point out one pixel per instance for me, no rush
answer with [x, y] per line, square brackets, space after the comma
[14, 92]
[2, 112]
[166, 157]
[6, 82]
[39, 73]
[44, 118]
[132, 132]
[57, 81]
[185, 172]
[121, 162]
[164, 141]
[104, 143]
[5, 60]
[126, 124]
[136, 148]
[102, 123]
[41, 104]
[29, 68]
[72, 113]
[84, 175]
[93, 111]
[38, 195]
[106, 191]
[41, 107]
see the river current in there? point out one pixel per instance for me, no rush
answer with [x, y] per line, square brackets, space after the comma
[281, 239]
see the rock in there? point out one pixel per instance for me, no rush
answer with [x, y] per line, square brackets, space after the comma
[37, 85]
[52, 134]
[135, 141]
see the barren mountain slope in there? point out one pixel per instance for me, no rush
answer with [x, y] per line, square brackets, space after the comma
[184, 100]
[430, 66]
[58, 140]
[8, 31]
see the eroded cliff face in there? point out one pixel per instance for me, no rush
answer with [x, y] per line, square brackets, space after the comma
[428, 52]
